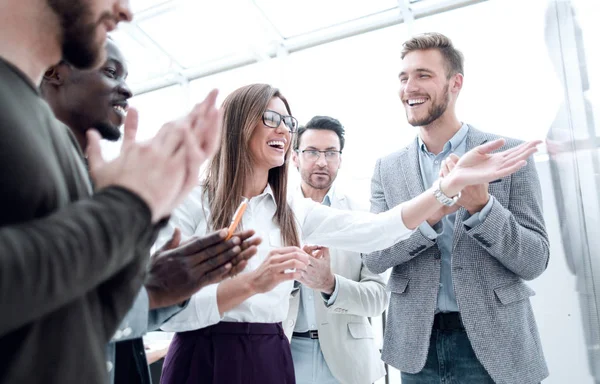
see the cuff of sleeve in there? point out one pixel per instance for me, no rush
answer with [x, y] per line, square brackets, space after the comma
[201, 311]
[330, 299]
[133, 198]
[394, 223]
[480, 216]
[428, 231]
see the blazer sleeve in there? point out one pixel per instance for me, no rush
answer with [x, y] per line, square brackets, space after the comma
[401, 252]
[516, 235]
[48, 262]
[366, 298]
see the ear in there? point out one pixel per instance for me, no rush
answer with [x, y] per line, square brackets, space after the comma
[295, 159]
[457, 82]
[56, 74]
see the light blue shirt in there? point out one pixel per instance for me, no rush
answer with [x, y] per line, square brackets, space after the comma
[443, 231]
[307, 320]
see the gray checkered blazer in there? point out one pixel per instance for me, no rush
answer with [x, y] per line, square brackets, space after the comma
[489, 265]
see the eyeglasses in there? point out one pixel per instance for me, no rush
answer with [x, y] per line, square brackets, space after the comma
[313, 155]
[272, 119]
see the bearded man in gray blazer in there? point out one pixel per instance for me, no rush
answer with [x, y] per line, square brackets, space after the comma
[459, 309]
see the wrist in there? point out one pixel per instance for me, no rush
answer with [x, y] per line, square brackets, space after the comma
[330, 287]
[249, 282]
[477, 207]
[153, 302]
[450, 186]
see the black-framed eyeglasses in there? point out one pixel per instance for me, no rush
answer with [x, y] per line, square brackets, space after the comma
[313, 154]
[272, 119]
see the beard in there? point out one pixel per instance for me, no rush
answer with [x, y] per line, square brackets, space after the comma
[319, 185]
[78, 33]
[435, 111]
[108, 131]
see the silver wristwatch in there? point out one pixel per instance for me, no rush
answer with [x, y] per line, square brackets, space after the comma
[441, 197]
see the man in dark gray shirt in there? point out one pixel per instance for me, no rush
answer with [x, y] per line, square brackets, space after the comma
[99, 98]
[72, 263]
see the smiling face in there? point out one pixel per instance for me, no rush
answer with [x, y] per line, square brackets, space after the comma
[98, 98]
[269, 146]
[425, 89]
[84, 25]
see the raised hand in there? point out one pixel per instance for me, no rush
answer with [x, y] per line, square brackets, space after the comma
[281, 264]
[318, 273]
[479, 165]
[177, 271]
[163, 170]
[473, 197]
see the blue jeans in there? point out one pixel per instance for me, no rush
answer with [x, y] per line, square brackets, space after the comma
[450, 360]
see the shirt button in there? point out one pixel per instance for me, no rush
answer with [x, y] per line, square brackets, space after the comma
[118, 334]
[312, 326]
[127, 332]
[436, 162]
[291, 322]
[109, 366]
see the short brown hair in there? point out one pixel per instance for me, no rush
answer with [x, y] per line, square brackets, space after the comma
[432, 40]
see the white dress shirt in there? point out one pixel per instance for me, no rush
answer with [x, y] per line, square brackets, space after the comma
[317, 225]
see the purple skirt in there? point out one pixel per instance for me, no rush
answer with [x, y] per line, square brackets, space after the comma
[230, 353]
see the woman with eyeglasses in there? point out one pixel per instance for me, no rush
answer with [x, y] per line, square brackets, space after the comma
[231, 332]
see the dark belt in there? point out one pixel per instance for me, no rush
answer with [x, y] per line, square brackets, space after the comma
[449, 321]
[307, 335]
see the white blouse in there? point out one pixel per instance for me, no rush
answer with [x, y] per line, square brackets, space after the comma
[317, 224]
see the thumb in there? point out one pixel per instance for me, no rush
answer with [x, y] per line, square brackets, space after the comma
[490, 146]
[94, 152]
[130, 129]
[173, 242]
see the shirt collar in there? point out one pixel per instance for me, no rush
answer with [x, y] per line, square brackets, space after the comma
[454, 141]
[268, 191]
[328, 197]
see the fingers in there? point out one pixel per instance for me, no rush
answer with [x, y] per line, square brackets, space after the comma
[289, 264]
[284, 250]
[509, 170]
[520, 152]
[311, 248]
[256, 241]
[171, 136]
[215, 276]
[197, 244]
[94, 152]
[193, 162]
[130, 129]
[237, 268]
[173, 242]
[490, 146]
[249, 252]
[244, 235]
[521, 156]
[205, 264]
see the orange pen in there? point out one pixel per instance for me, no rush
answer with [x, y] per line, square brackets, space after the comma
[237, 217]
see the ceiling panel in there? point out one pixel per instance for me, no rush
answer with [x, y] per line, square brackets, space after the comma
[144, 60]
[196, 32]
[294, 17]
[143, 5]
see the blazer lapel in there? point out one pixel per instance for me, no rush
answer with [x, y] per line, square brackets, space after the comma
[409, 164]
[474, 138]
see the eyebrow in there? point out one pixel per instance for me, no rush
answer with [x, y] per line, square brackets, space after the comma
[310, 148]
[403, 73]
[118, 64]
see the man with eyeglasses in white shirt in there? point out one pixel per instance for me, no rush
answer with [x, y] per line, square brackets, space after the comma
[331, 338]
